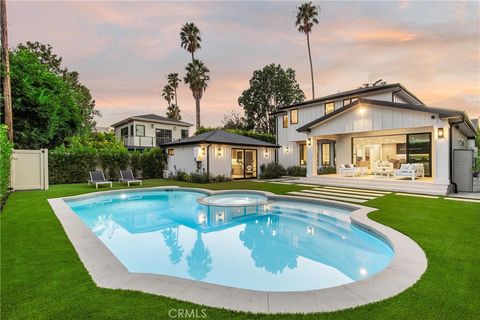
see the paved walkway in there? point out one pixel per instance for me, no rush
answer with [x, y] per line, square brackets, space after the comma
[340, 194]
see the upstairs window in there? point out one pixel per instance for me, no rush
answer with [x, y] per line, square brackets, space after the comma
[294, 116]
[184, 133]
[329, 107]
[140, 130]
[285, 121]
[348, 101]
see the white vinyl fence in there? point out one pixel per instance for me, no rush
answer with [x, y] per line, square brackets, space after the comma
[29, 170]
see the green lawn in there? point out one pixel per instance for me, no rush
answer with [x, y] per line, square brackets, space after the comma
[43, 278]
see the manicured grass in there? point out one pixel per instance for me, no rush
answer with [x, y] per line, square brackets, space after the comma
[43, 278]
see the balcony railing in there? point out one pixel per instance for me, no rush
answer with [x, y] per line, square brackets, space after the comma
[145, 142]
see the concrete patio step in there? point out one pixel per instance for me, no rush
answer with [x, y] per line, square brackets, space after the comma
[334, 193]
[350, 191]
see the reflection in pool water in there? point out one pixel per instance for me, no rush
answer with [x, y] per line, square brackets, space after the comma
[281, 246]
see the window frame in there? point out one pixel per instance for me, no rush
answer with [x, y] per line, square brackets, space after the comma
[296, 116]
[137, 126]
[329, 162]
[171, 151]
[182, 133]
[329, 103]
[123, 131]
[285, 121]
[302, 146]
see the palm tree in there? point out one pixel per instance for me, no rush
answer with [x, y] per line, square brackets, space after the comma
[306, 18]
[173, 112]
[173, 82]
[168, 94]
[197, 78]
[190, 38]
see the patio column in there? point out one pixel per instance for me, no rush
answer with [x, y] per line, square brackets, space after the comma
[311, 156]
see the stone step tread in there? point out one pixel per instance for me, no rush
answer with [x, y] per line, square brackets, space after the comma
[333, 193]
[351, 191]
[304, 194]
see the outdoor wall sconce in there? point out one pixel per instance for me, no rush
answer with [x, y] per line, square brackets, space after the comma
[219, 153]
[287, 149]
[266, 153]
[203, 151]
[440, 132]
[309, 141]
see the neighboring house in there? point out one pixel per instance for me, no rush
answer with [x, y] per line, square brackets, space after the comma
[369, 124]
[102, 129]
[149, 130]
[219, 153]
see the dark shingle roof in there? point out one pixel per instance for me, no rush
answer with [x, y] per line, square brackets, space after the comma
[348, 93]
[222, 137]
[443, 113]
[154, 118]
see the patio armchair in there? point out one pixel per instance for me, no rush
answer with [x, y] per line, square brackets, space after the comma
[126, 176]
[410, 170]
[351, 170]
[382, 167]
[98, 178]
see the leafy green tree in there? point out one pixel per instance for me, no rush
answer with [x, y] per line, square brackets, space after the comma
[173, 112]
[83, 97]
[197, 78]
[306, 18]
[47, 110]
[190, 38]
[233, 120]
[269, 89]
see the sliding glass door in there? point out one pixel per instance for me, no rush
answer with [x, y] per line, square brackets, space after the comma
[244, 163]
[419, 150]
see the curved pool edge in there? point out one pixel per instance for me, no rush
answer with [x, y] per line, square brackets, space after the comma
[406, 268]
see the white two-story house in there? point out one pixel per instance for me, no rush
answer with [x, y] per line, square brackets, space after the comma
[363, 126]
[149, 130]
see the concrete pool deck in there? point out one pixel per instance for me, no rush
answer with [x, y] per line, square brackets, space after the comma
[406, 268]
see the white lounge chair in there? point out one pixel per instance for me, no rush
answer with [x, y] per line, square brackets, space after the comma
[98, 178]
[410, 170]
[127, 176]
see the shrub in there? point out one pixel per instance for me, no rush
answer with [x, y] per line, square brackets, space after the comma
[272, 170]
[5, 162]
[136, 163]
[203, 177]
[153, 163]
[221, 178]
[179, 176]
[297, 171]
[326, 170]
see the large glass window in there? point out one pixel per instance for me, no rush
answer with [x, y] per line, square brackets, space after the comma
[419, 150]
[369, 151]
[294, 116]
[244, 164]
[184, 133]
[140, 130]
[303, 154]
[285, 121]
[163, 136]
[325, 154]
[329, 107]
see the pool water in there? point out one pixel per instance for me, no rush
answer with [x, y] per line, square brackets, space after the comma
[280, 246]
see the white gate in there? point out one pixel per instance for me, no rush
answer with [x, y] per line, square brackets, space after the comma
[29, 169]
[462, 169]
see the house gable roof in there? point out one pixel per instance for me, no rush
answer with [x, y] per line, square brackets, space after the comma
[153, 118]
[222, 137]
[344, 94]
[443, 113]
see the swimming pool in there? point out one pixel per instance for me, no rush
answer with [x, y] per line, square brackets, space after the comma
[281, 245]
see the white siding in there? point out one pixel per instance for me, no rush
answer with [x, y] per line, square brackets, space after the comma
[183, 159]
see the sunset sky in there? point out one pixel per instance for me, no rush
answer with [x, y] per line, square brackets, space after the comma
[123, 50]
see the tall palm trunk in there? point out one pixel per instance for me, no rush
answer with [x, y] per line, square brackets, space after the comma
[193, 57]
[176, 96]
[197, 111]
[311, 65]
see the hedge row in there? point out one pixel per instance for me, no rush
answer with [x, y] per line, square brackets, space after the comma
[73, 165]
[5, 162]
